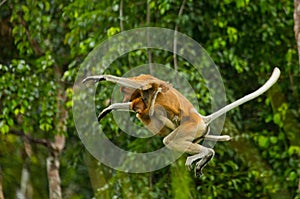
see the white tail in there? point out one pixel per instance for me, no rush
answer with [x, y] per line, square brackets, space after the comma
[274, 77]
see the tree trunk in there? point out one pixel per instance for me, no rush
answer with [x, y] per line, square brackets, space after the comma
[53, 176]
[25, 190]
[297, 25]
[175, 41]
[297, 36]
[1, 189]
[53, 165]
[53, 161]
[121, 15]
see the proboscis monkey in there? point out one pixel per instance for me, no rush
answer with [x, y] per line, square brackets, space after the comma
[166, 112]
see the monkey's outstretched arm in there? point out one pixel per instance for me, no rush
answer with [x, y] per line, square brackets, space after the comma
[116, 106]
[274, 77]
[119, 80]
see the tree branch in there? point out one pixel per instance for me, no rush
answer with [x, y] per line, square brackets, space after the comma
[175, 37]
[42, 142]
[148, 19]
[121, 15]
[297, 26]
[36, 47]
[297, 37]
[3, 2]
[1, 188]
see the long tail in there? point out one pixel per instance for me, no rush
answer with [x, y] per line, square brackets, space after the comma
[274, 77]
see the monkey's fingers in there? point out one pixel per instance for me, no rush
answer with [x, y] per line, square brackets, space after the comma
[203, 162]
[103, 114]
[189, 166]
[119, 80]
[93, 78]
[116, 106]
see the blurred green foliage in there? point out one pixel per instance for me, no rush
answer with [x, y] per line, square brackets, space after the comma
[43, 43]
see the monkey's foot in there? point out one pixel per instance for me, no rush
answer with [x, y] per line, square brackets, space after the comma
[190, 160]
[202, 163]
[188, 163]
[204, 157]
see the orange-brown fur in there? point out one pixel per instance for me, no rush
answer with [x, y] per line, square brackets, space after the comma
[169, 102]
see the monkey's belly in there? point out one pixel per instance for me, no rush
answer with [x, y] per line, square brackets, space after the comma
[159, 130]
[155, 126]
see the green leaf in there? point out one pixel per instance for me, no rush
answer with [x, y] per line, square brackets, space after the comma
[232, 34]
[277, 119]
[263, 141]
[293, 176]
[294, 150]
[273, 139]
[4, 128]
[16, 111]
[112, 31]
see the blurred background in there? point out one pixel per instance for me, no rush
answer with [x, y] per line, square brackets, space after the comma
[43, 43]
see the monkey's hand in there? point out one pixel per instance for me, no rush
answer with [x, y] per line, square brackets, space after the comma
[117, 106]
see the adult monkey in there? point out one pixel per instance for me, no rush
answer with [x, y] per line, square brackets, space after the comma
[166, 112]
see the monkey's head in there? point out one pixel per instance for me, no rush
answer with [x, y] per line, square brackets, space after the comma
[138, 105]
[135, 96]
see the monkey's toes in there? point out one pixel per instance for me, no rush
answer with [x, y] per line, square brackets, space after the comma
[189, 166]
[198, 172]
[189, 162]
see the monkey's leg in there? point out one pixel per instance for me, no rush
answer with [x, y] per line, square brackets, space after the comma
[172, 126]
[181, 139]
[217, 137]
[116, 106]
[119, 80]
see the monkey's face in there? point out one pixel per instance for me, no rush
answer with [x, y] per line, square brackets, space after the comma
[138, 105]
[134, 96]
